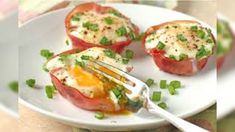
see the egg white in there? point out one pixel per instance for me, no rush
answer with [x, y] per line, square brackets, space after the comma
[107, 30]
[174, 46]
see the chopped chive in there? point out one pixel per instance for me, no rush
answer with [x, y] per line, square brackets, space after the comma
[156, 96]
[209, 41]
[79, 63]
[45, 68]
[14, 86]
[125, 60]
[149, 82]
[46, 53]
[120, 87]
[209, 31]
[160, 45]
[76, 17]
[201, 34]
[163, 105]
[67, 42]
[50, 91]
[85, 57]
[194, 28]
[116, 92]
[163, 84]
[109, 53]
[63, 58]
[91, 26]
[108, 20]
[129, 54]
[99, 115]
[181, 38]
[31, 82]
[132, 35]
[201, 53]
[183, 56]
[116, 13]
[171, 90]
[175, 83]
[121, 31]
[172, 57]
[105, 41]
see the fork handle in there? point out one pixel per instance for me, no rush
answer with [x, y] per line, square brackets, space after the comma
[181, 124]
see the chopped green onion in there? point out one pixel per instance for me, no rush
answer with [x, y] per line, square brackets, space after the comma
[163, 105]
[129, 54]
[194, 28]
[14, 86]
[105, 41]
[171, 90]
[156, 96]
[85, 57]
[125, 60]
[163, 84]
[44, 67]
[116, 92]
[183, 56]
[50, 91]
[46, 53]
[201, 34]
[31, 82]
[99, 115]
[67, 42]
[172, 57]
[181, 38]
[132, 35]
[116, 13]
[79, 63]
[108, 20]
[202, 52]
[149, 82]
[160, 45]
[209, 31]
[76, 17]
[121, 31]
[63, 57]
[209, 41]
[91, 26]
[109, 53]
[175, 83]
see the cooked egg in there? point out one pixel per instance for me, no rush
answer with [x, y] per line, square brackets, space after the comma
[76, 76]
[181, 38]
[103, 27]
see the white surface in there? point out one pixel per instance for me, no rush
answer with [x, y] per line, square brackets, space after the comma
[226, 85]
[48, 31]
[9, 63]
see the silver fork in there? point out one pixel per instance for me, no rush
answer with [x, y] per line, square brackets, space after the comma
[139, 88]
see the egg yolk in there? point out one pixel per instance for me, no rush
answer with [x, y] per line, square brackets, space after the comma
[89, 80]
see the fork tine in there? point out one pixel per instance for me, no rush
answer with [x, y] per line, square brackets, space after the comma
[129, 87]
[117, 71]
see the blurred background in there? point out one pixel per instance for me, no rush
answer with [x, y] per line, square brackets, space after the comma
[9, 65]
[226, 66]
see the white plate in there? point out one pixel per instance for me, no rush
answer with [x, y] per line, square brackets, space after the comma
[9, 63]
[48, 31]
[226, 77]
